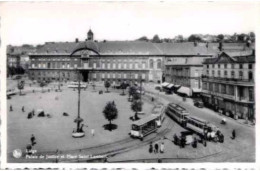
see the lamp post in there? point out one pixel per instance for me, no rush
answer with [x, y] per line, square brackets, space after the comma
[78, 120]
[88, 45]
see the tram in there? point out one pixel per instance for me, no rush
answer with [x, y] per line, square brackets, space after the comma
[159, 111]
[76, 84]
[177, 113]
[144, 127]
[197, 125]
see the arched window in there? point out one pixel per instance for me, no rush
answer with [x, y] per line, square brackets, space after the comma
[151, 63]
[159, 64]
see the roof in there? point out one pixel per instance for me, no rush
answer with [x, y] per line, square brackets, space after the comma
[188, 61]
[142, 48]
[19, 50]
[145, 120]
[232, 57]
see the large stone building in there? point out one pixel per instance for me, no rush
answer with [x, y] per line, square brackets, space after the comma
[228, 84]
[116, 60]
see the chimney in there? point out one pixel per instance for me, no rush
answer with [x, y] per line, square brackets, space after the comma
[76, 40]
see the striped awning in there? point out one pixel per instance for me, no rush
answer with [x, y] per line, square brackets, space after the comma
[196, 90]
[164, 84]
[185, 90]
[170, 85]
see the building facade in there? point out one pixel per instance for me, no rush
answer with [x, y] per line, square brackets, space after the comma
[228, 84]
[185, 71]
[118, 61]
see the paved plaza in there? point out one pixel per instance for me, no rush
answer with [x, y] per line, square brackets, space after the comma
[55, 132]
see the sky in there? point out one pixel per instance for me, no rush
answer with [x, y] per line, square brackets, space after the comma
[39, 22]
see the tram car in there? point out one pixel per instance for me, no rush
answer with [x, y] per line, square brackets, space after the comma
[76, 85]
[195, 124]
[144, 127]
[159, 111]
[177, 113]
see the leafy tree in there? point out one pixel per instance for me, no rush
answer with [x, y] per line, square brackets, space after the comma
[144, 38]
[132, 91]
[136, 106]
[123, 86]
[220, 37]
[107, 85]
[156, 39]
[194, 38]
[20, 86]
[110, 112]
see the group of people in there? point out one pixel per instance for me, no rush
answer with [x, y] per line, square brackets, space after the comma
[156, 148]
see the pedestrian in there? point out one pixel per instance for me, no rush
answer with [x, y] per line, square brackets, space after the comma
[233, 134]
[33, 113]
[162, 148]
[151, 147]
[11, 108]
[33, 140]
[23, 109]
[156, 148]
[93, 132]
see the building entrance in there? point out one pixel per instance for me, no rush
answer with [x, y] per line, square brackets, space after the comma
[85, 76]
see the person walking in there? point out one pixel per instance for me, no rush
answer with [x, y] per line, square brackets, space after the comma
[11, 108]
[156, 148]
[151, 147]
[23, 109]
[93, 132]
[233, 134]
[162, 148]
[33, 140]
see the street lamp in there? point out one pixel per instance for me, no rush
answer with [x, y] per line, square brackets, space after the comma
[91, 46]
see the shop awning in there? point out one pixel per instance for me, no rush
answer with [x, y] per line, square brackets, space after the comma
[164, 84]
[185, 90]
[196, 90]
[170, 85]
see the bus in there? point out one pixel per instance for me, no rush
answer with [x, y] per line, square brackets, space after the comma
[198, 125]
[76, 84]
[159, 111]
[177, 113]
[144, 127]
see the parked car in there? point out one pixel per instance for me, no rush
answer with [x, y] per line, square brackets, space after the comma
[199, 104]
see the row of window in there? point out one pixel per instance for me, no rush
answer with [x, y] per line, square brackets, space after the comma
[232, 66]
[118, 75]
[228, 89]
[54, 59]
[232, 74]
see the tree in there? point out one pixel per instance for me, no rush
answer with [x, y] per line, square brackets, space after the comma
[220, 37]
[156, 39]
[20, 86]
[144, 38]
[110, 112]
[123, 86]
[252, 36]
[194, 38]
[107, 85]
[136, 106]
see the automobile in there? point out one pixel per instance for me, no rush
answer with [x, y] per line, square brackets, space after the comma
[17, 77]
[199, 104]
[158, 88]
